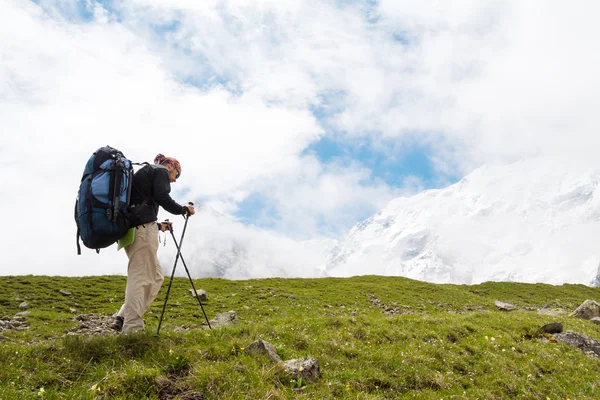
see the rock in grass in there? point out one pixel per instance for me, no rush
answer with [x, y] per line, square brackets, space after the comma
[589, 346]
[596, 320]
[93, 324]
[553, 327]
[587, 310]
[305, 368]
[265, 348]
[24, 306]
[201, 294]
[65, 292]
[21, 314]
[223, 319]
[553, 312]
[502, 306]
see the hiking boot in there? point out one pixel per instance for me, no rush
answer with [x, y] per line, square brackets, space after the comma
[118, 324]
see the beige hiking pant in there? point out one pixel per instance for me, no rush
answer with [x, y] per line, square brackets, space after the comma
[144, 276]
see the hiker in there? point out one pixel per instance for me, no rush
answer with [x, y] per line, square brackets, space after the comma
[150, 189]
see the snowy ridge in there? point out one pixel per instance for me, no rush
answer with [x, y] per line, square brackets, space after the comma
[529, 221]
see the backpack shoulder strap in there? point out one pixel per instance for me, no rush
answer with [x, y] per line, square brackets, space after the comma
[78, 245]
[78, 231]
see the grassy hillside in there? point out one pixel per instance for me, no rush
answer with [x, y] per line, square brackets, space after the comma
[374, 337]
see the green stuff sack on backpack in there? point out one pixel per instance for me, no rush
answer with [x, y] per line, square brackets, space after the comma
[127, 239]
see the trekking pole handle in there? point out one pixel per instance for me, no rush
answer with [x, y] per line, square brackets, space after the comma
[187, 215]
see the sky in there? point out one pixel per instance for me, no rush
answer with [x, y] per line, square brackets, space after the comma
[298, 119]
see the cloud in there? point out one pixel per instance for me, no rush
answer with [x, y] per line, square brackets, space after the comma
[515, 79]
[325, 199]
[216, 246]
[493, 81]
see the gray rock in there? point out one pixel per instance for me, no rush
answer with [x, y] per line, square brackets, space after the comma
[589, 346]
[553, 327]
[201, 294]
[588, 310]
[6, 325]
[596, 320]
[185, 328]
[305, 368]
[24, 306]
[22, 314]
[265, 348]
[93, 324]
[389, 311]
[65, 292]
[223, 319]
[502, 306]
[553, 312]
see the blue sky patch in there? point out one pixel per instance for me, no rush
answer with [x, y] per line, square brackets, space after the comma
[255, 209]
[76, 12]
[390, 162]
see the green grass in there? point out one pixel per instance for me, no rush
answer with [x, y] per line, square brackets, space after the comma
[449, 342]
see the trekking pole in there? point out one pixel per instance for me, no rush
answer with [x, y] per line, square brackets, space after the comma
[172, 275]
[191, 281]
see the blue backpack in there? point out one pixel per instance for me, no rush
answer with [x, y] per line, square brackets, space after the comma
[101, 208]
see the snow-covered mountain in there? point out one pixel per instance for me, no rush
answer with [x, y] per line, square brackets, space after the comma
[530, 222]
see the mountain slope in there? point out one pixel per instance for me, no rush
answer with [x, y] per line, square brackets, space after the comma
[529, 221]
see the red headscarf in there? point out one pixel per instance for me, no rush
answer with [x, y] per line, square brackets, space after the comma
[161, 159]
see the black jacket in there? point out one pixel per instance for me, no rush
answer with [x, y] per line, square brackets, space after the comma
[151, 183]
